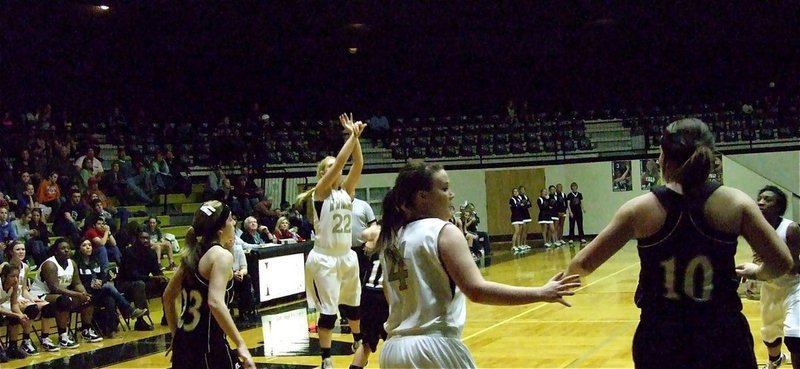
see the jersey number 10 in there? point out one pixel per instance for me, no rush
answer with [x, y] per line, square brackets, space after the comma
[698, 263]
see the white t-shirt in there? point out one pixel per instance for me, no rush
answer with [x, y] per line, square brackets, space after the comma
[362, 215]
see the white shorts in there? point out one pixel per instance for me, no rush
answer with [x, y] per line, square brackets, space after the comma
[425, 352]
[331, 281]
[780, 308]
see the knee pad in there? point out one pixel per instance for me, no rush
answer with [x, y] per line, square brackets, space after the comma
[793, 344]
[32, 311]
[327, 321]
[63, 303]
[773, 344]
[350, 312]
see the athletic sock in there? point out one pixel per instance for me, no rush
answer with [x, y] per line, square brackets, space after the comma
[326, 353]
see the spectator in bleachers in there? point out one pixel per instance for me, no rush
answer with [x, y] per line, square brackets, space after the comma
[225, 195]
[115, 183]
[256, 234]
[161, 172]
[104, 245]
[140, 276]
[22, 226]
[283, 232]
[27, 200]
[213, 182]
[22, 185]
[82, 178]
[246, 194]
[104, 294]
[7, 233]
[23, 164]
[62, 164]
[161, 242]
[379, 127]
[95, 193]
[49, 193]
[265, 214]
[180, 173]
[67, 222]
[39, 241]
[95, 166]
[59, 284]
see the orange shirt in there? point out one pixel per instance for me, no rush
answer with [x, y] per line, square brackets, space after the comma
[48, 191]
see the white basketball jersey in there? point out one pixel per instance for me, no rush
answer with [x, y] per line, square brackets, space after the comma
[422, 298]
[65, 275]
[332, 227]
[783, 228]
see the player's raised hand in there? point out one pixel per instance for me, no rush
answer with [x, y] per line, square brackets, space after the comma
[347, 122]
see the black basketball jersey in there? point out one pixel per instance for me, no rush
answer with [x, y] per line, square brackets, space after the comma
[687, 266]
[372, 273]
[197, 326]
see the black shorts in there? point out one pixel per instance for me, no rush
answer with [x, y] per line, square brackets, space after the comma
[710, 342]
[191, 355]
[374, 312]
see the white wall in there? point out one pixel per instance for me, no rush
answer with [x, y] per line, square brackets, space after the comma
[594, 181]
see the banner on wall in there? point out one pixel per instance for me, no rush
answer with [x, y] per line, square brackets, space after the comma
[651, 174]
[716, 169]
[621, 176]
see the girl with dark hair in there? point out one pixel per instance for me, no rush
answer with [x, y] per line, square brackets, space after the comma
[160, 242]
[517, 219]
[526, 217]
[425, 257]
[687, 236]
[10, 309]
[16, 254]
[203, 281]
[332, 266]
[546, 217]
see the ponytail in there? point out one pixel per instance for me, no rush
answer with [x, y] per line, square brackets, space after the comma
[393, 219]
[190, 255]
[694, 171]
[305, 204]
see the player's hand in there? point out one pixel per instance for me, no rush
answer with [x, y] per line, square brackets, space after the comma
[244, 355]
[347, 122]
[748, 270]
[560, 286]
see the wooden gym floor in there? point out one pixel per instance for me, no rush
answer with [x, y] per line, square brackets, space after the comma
[595, 333]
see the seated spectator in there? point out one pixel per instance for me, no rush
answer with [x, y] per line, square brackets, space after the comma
[7, 233]
[242, 284]
[58, 283]
[22, 226]
[161, 174]
[226, 196]
[10, 309]
[49, 193]
[245, 194]
[255, 234]
[94, 165]
[104, 294]
[265, 214]
[84, 174]
[104, 246]
[118, 184]
[180, 173]
[140, 276]
[39, 241]
[283, 232]
[21, 186]
[67, 222]
[16, 257]
[27, 200]
[95, 193]
[213, 183]
[161, 243]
